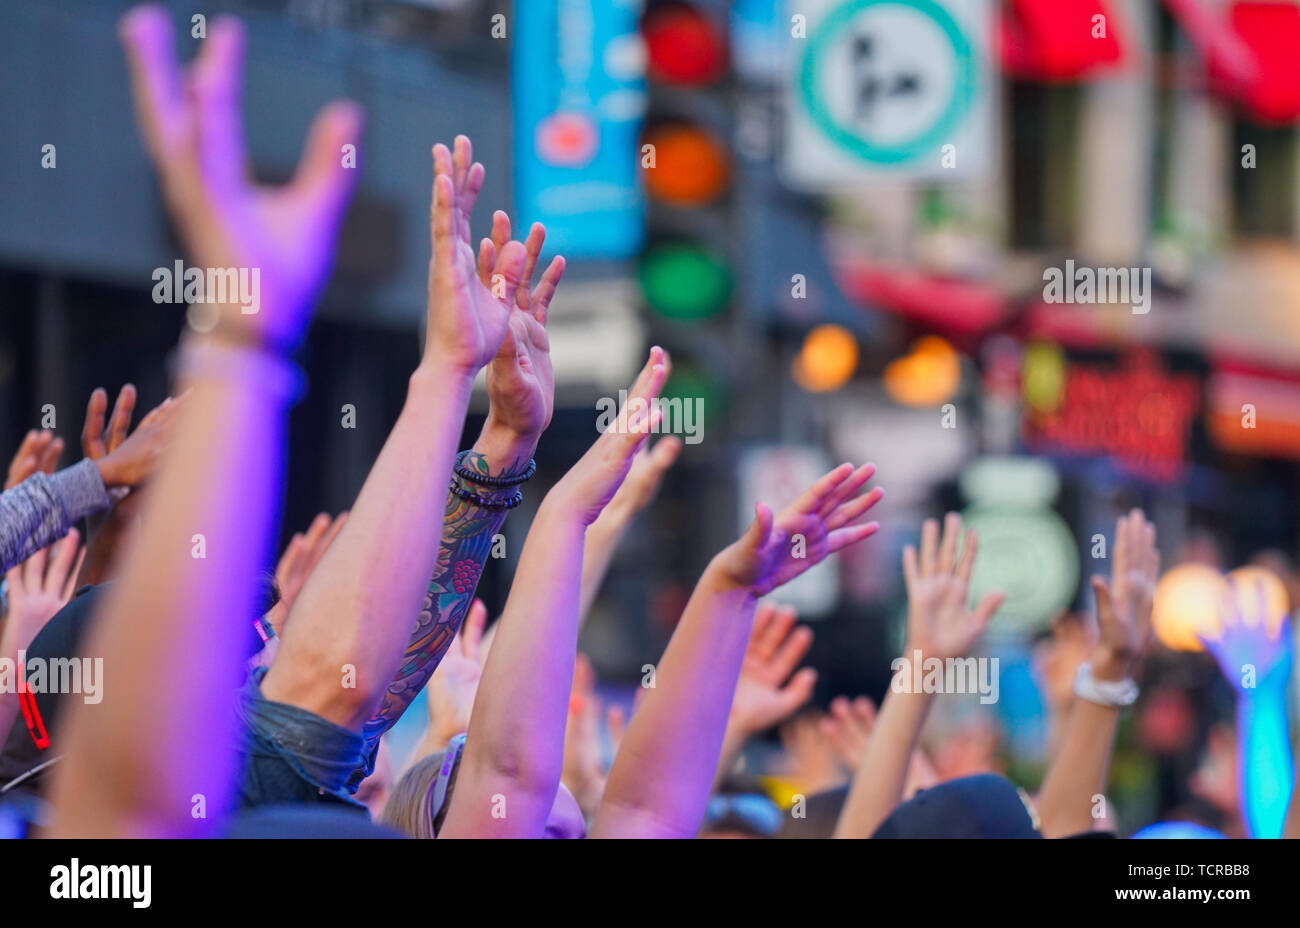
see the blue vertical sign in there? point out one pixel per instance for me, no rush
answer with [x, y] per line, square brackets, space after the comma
[579, 97]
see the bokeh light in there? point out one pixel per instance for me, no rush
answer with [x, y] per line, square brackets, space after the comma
[928, 375]
[682, 281]
[1187, 603]
[827, 360]
[690, 167]
[684, 46]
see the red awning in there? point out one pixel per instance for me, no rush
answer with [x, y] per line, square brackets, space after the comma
[1059, 40]
[1271, 31]
[1226, 57]
[965, 307]
[1251, 54]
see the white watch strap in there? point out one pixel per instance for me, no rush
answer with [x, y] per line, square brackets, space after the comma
[1112, 693]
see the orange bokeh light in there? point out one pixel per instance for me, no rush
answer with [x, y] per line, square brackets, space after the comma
[827, 360]
[1187, 602]
[927, 376]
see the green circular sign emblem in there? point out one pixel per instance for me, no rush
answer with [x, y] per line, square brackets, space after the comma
[810, 76]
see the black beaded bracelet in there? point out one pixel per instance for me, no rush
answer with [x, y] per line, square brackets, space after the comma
[484, 502]
[486, 480]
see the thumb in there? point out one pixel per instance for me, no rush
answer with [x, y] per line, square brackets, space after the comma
[322, 176]
[759, 529]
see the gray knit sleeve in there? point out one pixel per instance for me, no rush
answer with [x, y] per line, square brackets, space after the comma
[41, 509]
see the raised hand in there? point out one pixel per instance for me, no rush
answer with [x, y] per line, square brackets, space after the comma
[39, 451]
[776, 549]
[766, 693]
[520, 383]
[1124, 605]
[940, 624]
[96, 441]
[592, 482]
[38, 588]
[454, 684]
[132, 459]
[848, 725]
[301, 556]
[1245, 647]
[193, 130]
[649, 467]
[468, 319]
[584, 753]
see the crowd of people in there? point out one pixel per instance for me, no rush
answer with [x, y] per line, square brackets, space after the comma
[161, 681]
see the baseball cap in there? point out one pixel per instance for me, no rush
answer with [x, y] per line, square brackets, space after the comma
[981, 806]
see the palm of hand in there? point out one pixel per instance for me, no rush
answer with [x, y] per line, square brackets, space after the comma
[294, 252]
[476, 321]
[758, 702]
[193, 129]
[29, 612]
[1242, 645]
[519, 379]
[1126, 632]
[452, 690]
[940, 624]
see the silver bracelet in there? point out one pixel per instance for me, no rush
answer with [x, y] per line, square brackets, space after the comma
[1113, 694]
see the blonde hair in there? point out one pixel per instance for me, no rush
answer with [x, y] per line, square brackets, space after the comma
[410, 805]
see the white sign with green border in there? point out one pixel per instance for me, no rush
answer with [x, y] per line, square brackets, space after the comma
[888, 88]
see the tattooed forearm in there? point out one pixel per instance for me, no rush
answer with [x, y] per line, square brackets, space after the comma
[467, 532]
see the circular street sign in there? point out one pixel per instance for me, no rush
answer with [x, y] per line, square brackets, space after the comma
[888, 80]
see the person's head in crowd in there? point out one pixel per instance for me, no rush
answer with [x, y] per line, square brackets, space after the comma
[419, 801]
[811, 761]
[32, 746]
[962, 737]
[983, 806]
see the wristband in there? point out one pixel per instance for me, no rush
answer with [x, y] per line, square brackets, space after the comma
[204, 359]
[264, 629]
[1113, 694]
[486, 480]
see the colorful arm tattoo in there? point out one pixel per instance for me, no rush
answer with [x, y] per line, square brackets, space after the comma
[467, 532]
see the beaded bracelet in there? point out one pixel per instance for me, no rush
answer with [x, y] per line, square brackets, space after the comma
[484, 502]
[495, 482]
[486, 480]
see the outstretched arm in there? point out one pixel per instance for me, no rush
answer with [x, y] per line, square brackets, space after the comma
[348, 619]
[515, 744]
[38, 506]
[766, 693]
[636, 493]
[940, 625]
[521, 396]
[135, 763]
[1254, 651]
[1081, 767]
[662, 777]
